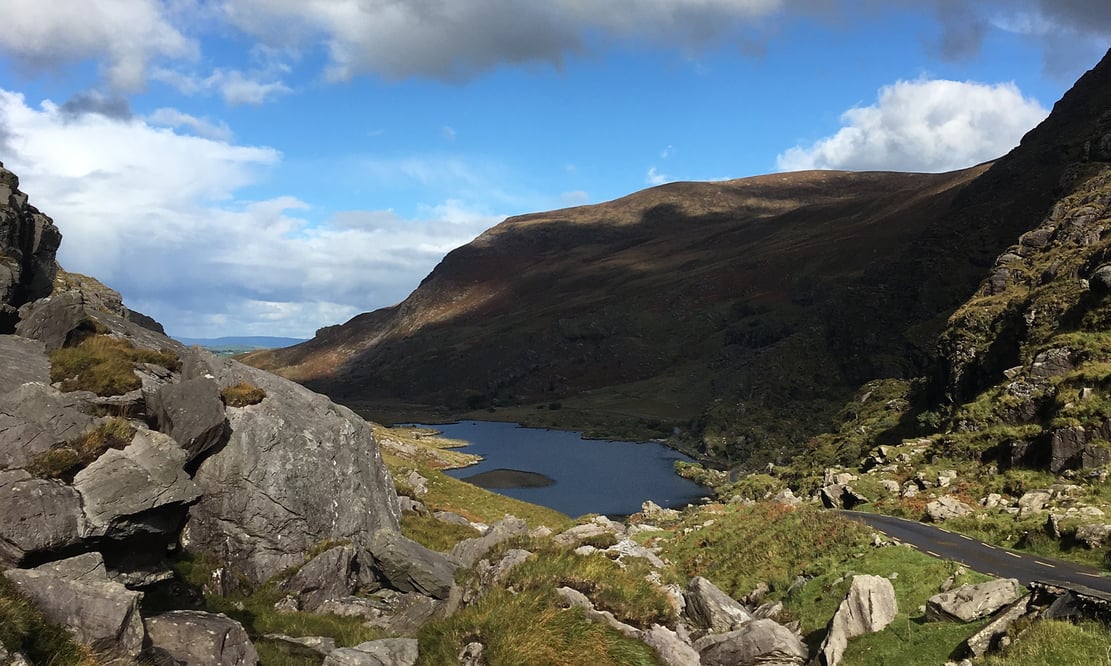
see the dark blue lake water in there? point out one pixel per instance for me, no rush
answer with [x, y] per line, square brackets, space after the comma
[590, 476]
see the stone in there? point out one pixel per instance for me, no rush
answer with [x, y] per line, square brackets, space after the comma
[297, 470]
[141, 489]
[406, 613]
[329, 575]
[575, 599]
[597, 527]
[471, 654]
[35, 417]
[23, 361]
[410, 505]
[1032, 502]
[196, 638]
[418, 483]
[757, 642]
[410, 567]
[649, 510]
[39, 516]
[28, 244]
[451, 518]
[305, 646]
[1094, 536]
[191, 412]
[1100, 280]
[1052, 362]
[626, 548]
[469, 551]
[971, 602]
[670, 649]
[52, 320]
[78, 595]
[985, 640]
[945, 508]
[946, 477]
[383, 652]
[868, 607]
[1076, 448]
[711, 609]
[891, 486]
[910, 489]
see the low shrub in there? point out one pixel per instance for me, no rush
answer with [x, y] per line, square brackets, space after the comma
[242, 395]
[64, 462]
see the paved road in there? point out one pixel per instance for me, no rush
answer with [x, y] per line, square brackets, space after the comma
[984, 558]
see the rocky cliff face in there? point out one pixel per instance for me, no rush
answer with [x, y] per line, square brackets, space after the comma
[119, 446]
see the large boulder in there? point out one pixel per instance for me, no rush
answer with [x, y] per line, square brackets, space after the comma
[28, 243]
[191, 412]
[78, 595]
[868, 607]
[39, 515]
[383, 652]
[195, 638]
[987, 639]
[972, 602]
[141, 489]
[1079, 448]
[671, 650]
[34, 417]
[757, 642]
[297, 470]
[711, 609]
[408, 566]
[329, 575]
[946, 508]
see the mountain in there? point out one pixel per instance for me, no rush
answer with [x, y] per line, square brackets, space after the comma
[743, 313]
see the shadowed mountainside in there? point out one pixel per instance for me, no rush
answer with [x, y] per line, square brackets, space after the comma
[745, 312]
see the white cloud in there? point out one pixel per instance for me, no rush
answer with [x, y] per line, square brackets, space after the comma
[448, 133]
[167, 117]
[161, 211]
[928, 125]
[654, 177]
[125, 35]
[256, 87]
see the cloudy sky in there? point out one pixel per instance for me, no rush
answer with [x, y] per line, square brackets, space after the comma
[268, 167]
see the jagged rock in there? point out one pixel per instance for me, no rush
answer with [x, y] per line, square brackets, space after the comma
[598, 526]
[1094, 536]
[1032, 502]
[469, 551]
[868, 607]
[52, 320]
[1052, 362]
[575, 599]
[835, 477]
[991, 501]
[910, 489]
[986, 639]
[28, 243]
[669, 647]
[649, 510]
[410, 505]
[297, 470]
[23, 361]
[410, 567]
[711, 609]
[34, 417]
[329, 575]
[770, 610]
[629, 548]
[406, 613]
[384, 652]
[1100, 280]
[839, 496]
[945, 478]
[787, 497]
[352, 607]
[191, 412]
[305, 646]
[891, 486]
[971, 602]
[450, 518]
[757, 642]
[78, 595]
[39, 515]
[418, 483]
[195, 638]
[123, 491]
[471, 654]
[1075, 448]
[945, 508]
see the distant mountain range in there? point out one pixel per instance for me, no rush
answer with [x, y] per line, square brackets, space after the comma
[244, 341]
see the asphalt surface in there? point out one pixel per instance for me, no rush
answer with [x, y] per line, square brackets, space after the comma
[984, 558]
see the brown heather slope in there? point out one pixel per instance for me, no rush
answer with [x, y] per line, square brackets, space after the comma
[745, 312]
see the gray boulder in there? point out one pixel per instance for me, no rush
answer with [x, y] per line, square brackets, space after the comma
[987, 639]
[670, 649]
[330, 575]
[304, 646]
[469, 551]
[711, 609]
[757, 642]
[297, 470]
[972, 602]
[191, 412]
[384, 652]
[38, 516]
[868, 607]
[195, 638]
[946, 508]
[1094, 536]
[138, 490]
[51, 320]
[23, 361]
[98, 612]
[410, 567]
[34, 417]
[1077, 448]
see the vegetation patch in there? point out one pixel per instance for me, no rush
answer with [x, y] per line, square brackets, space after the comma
[64, 462]
[105, 365]
[24, 629]
[435, 534]
[242, 395]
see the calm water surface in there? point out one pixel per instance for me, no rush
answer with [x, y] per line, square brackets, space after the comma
[590, 476]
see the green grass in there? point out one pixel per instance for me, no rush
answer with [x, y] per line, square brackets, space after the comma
[1056, 642]
[479, 505]
[66, 461]
[435, 534]
[242, 395]
[104, 365]
[24, 629]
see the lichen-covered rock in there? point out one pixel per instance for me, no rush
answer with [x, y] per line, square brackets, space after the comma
[1094, 536]
[39, 515]
[945, 508]
[384, 652]
[297, 470]
[868, 607]
[191, 412]
[757, 642]
[35, 417]
[971, 602]
[711, 609]
[195, 638]
[98, 612]
[141, 489]
[410, 567]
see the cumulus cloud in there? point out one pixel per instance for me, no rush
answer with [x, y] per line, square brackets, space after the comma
[928, 125]
[93, 101]
[234, 86]
[654, 177]
[170, 232]
[168, 117]
[124, 35]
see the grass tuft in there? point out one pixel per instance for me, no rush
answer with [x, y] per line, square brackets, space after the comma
[242, 395]
[105, 365]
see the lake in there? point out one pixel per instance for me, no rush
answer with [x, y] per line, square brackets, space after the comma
[570, 474]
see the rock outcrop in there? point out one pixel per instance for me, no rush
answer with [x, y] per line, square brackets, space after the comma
[711, 609]
[28, 242]
[971, 602]
[194, 638]
[868, 607]
[756, 642]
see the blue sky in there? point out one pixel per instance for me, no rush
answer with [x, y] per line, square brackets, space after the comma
[268, 167]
